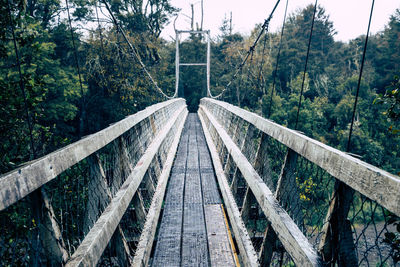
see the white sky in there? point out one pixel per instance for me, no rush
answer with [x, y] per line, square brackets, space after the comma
[350, 17]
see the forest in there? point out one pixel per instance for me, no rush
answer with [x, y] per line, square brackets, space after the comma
[71, 68]
[70, 73]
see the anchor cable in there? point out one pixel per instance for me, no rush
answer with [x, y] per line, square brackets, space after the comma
[359, 78]
[306, 63]
[264, 28]
[136, 55]
[277, 60]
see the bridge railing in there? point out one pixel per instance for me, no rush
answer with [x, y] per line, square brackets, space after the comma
[87, 203]
[296, 199]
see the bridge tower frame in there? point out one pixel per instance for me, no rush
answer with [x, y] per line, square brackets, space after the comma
[177, 58]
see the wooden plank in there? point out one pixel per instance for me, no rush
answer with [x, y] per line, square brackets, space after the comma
[375, 183]
[22, 181]
[168, 248]
[194, 236]
[143, 249]
[294, 241]
[92, 247]
[244, 243]
[218, 237]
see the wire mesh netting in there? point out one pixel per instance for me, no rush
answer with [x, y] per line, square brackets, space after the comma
[69, 205]
[305, 191]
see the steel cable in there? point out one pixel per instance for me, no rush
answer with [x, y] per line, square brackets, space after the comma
[277, 60]
[264, 28]
[306, 63]
[136, 55]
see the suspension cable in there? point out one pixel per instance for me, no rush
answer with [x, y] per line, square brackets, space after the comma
[306, 63]
[136, 55]
[262, 60]
[264, 27]
[248, 70]
[359, 78]
[100, 32]
[35, 195]
[21, 84]
[277, 60]
[81, 127]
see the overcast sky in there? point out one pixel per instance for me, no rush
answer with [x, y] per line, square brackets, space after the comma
[350, 17]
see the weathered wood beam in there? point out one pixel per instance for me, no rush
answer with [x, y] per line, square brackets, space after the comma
[262, 166]
[248, 201]
[24, 180]
[234, 183]
[50, 234]
[286, 188]
[337, 244]
[244, 243]
[294, 241]
[92, 247]
[125, 167]
[375, 183]
[143, 249]
[99, 194]
[139, 209]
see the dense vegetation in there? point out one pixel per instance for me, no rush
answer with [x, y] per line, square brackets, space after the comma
[330, 85]
[62, 110]
[74, 82]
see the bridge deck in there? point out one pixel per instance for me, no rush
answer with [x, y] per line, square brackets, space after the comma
[193, 230]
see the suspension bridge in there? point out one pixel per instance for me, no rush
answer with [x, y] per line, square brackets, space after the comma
[220, 187]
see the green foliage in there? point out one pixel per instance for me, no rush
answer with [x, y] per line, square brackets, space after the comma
[114, 85]
[391, 101]
[330, 84]
[393, 238]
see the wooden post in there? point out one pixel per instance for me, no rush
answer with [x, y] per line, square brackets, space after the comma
[249, 198]
[99, 195]
[261, 165]
[286, 187]
[49, 231]
[149, 184]
[337, 245]
[234, 183]
[261, 162]
[137, 200]
[248, 201]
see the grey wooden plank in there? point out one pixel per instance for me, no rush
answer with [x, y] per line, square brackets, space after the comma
[194, 239]
[182, 239]
[218, 237]
[210, 189]
[209, 185]
[168, 247]
[194, 236]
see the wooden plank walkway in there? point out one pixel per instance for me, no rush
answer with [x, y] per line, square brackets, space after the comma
[193, 229]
